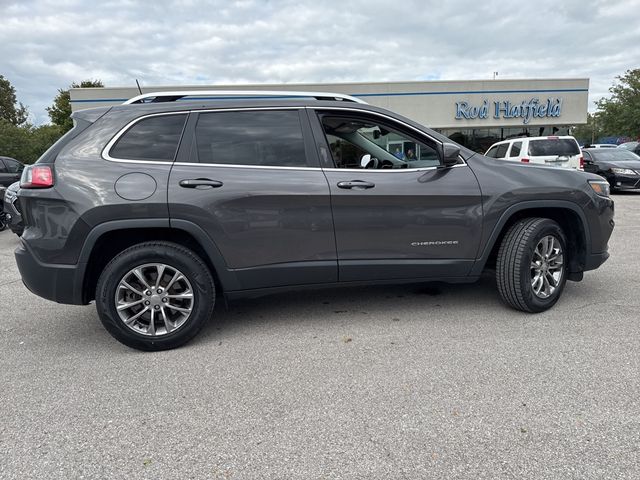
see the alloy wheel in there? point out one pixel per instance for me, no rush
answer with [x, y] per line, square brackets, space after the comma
[154, 299]
[547, 266]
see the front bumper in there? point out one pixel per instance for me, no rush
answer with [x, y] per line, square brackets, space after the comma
[11, 208]
[624, 181]
[59, 283]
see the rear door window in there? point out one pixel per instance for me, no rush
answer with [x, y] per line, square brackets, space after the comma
[553, 147]
[153, 138]
[262, 138]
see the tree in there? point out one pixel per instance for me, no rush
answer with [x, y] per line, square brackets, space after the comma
[10, 110]
[26, 142]
[619, 115]
[60, 111]
[589, 133]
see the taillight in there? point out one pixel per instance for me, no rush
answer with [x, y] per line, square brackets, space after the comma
[37, 176]
[581, 163]
[524, 160]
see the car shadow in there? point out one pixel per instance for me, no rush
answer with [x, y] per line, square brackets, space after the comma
[347, 304]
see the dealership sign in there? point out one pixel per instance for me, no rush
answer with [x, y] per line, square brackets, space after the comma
[526, 110]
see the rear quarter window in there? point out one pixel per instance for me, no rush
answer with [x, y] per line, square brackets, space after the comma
[515, 149]
[152, 138]
[553, 146]
[492, 152]
[501, 152]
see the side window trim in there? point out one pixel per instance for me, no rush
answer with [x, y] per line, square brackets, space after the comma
[109, 146]
[187, 141]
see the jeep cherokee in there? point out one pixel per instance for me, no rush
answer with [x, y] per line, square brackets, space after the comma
[154, 207]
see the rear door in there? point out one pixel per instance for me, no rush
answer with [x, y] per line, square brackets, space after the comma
[250, 179]
[395, 218]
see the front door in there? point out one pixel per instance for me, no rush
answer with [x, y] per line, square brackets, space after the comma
[251, 180]
[396, 218]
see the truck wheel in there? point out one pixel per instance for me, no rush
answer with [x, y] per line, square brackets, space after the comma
[155, 296]
[531, 265]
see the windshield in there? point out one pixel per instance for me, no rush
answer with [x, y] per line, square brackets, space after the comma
[553, 146]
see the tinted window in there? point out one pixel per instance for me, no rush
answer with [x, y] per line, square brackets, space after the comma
[492, 152]
[553, 146]
[266, 138]
[502, 150]
[3, 169]
[153, 138]
[515, 149]
[12, 167]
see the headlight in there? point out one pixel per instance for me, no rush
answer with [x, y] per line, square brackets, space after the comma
[623, 171]
[601, 187]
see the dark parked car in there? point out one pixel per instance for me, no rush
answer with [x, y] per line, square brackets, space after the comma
[10, 170]
[154, 207]
[620, 167]
[12, 209]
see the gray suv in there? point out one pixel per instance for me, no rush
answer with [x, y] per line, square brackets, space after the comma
[156, 207]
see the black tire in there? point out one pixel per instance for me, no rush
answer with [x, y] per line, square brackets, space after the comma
[174, 256]
[514, 264]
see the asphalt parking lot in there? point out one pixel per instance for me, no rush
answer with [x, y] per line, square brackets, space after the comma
[385, 382]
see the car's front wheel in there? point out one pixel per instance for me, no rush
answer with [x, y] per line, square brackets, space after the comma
[531, 264]
[155, 296]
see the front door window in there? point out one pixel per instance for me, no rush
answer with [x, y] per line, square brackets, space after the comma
[359, 143]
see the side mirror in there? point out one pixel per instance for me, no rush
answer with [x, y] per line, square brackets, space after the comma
[451, 154]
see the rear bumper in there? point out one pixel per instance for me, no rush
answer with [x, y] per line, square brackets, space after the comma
[59, 283]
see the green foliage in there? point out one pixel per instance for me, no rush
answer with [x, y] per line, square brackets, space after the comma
[25, 142]
[589, 133]
[60, 111]
[10, 110]
[620, 114]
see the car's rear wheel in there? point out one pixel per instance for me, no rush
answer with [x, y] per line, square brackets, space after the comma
[155, 296]
[531, 264]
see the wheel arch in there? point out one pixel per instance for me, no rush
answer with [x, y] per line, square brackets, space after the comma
[110, 238]
[567, 214]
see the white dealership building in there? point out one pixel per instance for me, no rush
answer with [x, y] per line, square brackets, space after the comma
[475, 113]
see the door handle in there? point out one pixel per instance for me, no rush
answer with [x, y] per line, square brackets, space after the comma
[200, 183]
[357, 184]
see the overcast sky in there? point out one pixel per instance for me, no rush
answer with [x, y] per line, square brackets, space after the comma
[47, 44]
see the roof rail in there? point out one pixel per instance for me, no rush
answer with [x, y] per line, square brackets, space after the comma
[172, 96]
